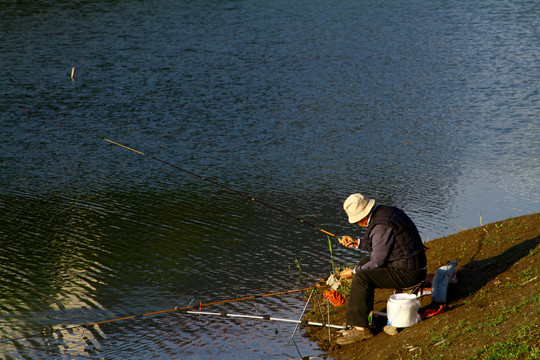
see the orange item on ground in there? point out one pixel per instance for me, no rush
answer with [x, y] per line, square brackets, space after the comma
[432, 312]
[334, 297]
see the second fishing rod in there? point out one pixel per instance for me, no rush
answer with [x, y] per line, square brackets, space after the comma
[226, 188]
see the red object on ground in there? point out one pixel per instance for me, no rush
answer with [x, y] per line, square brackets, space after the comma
[432, 312]
[334, 297]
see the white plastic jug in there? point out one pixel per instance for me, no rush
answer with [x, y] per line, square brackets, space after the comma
[402, 310]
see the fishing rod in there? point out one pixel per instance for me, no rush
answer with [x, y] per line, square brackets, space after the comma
[180, 309]
[226, 188]
[264, 317]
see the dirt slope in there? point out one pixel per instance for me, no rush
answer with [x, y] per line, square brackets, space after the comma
[492, 313]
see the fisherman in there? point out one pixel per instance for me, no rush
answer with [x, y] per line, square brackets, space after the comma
[397, 259]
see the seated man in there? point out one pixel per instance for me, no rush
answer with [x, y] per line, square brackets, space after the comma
[398, 259]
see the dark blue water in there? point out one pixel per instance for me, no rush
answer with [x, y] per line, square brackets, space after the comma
[433, 107]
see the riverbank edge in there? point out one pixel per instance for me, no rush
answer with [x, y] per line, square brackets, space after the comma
[491, 313]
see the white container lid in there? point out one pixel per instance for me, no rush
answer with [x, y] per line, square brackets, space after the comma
[402, 297]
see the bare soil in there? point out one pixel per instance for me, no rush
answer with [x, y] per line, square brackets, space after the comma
[491, 313]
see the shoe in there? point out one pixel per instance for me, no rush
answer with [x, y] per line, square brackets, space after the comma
[391, 330]
[346, 330]
[354, 335]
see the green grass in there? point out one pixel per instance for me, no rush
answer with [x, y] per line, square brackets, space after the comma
[440, 335]
[529, 274]
[513, 348]
[524, 302]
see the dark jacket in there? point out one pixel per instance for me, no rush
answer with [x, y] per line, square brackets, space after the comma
[407, 250]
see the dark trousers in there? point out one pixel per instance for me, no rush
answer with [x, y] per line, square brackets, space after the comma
[363, 288]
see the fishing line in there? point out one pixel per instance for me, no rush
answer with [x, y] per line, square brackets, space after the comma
[226, 188]
[180, 309]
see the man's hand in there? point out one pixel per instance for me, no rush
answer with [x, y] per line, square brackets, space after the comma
[346, 274]
[348, 241]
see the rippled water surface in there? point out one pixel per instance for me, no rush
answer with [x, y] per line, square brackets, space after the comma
[433, 107]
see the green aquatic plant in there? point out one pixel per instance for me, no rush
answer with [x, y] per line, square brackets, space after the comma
[297, 262]
[331, 254]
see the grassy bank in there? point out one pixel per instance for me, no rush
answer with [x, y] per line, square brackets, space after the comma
[493, 312]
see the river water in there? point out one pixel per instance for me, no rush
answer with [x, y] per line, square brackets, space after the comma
[430, 106]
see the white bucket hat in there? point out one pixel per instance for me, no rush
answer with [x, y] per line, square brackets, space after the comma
[357, 207]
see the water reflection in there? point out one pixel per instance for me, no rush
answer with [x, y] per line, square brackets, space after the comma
[148, 257]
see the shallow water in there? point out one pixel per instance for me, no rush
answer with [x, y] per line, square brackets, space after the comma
[430, 107]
